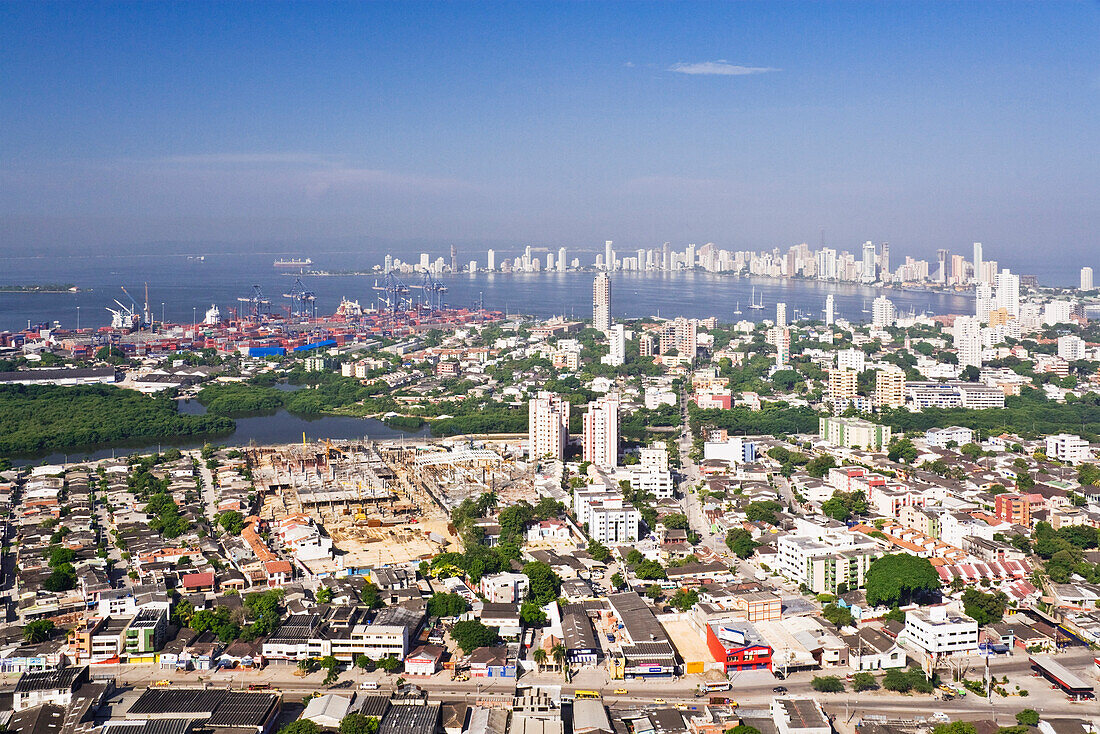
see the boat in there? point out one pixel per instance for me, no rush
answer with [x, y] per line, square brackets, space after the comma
[753, 304]
[737, 310]
[293, 263]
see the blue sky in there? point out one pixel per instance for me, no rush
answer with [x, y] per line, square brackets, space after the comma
[750, 125]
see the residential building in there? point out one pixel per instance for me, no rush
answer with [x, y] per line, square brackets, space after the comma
[548, 426]
[601, 432]
[890, 388]
[601, 303]
[852, 432]
[1068, 448]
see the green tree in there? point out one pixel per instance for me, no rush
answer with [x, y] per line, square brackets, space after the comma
[359, 724]
[599, 551]
[763, 511]
[819, 466]
[838, 615]
[1027, 717]
[955, 727]
[863, 682]
[38, 631]
[545, 584]
[446, 605]
[984, 608]
[301, 726]
[231, 522]
[740, 542]
[684, 599]
[827, 684]
[323, 595]
[472, 634]
[896, 579]
[902, 450]
[531, 614]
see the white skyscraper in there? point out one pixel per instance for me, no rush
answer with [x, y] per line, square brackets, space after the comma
[608, 255]
[983, 303]
[549, 261]
[491, 260]
[547, 426]
[978, 261]
[601, 432]
[1008, 292]
[425, 261]
[616, 341]
[830, 310]
[780, 314]
[561, 259]
[388, 264]
[601, 303]
[826, 263]
[883, 313]
[869, 273]
[967, 333]
[1086, 278]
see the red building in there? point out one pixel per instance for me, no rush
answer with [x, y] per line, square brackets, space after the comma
[738, 647]
[1013, 508]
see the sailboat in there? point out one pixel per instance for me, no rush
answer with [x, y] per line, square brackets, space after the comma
[753, 304]
[737, 310]
[865, 306]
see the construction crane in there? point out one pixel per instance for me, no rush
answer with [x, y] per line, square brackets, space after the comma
[258, 305]
[303, 300]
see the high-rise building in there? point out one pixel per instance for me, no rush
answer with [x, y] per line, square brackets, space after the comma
[1086, 278]
[978, 267]
[601, 303]
[884, 259]
[689, 257]
[608, 255]
[454, 259]
[491, 260]
[852, 359]
[883, 313]
[562, 254]
[387, 264]
[425, 261]
[547, 426]
[869, 275]
[473, 266]
[601, 432]
[958, 270]
[941, 272]
[780, 314]
[616, 342]
[967, 333]
[780, 338]
[830, 310]
[843, 384]
[686, 338]
[1008, 292]
[890, 388]
[549, 261]
[983, 302]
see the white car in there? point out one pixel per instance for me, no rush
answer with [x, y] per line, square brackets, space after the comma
[940, 716]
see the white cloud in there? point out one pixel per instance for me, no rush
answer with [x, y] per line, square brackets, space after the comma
[721, 67]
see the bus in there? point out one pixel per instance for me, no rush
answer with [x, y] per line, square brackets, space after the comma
[586, 694]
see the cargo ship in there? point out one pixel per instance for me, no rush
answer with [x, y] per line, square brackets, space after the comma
[293, 263]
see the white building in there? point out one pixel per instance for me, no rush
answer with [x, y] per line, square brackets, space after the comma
[883, 313]
[505, 588]
[1086, 278]
[735, 450]
[1008, 292]
[940, 437]
[601, 432]
[851, 359]
[547, 426]
[601, 303]
[658, 483]
[825, 564]
[1068, 448]
[614, 521]
[1071, 347]
[616, 342]
[935, 631]
[967, 333]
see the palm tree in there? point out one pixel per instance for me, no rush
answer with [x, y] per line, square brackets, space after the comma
[558, 653]
[540, 657]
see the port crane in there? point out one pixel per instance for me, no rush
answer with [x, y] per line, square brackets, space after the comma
[303, 301]
[396, 295]
[432, 291]
[258, 304]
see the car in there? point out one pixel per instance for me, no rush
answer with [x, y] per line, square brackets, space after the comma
[659, 701]
[621, 691]
[779, 689]
[940, 716]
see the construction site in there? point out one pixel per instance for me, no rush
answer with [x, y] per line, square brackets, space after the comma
[384, 503]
